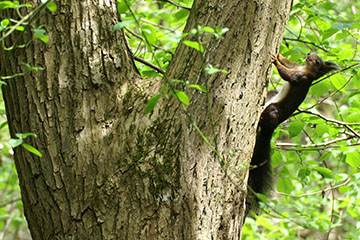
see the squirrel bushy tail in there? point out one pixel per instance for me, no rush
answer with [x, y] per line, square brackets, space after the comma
[260, 178]
[261, 172]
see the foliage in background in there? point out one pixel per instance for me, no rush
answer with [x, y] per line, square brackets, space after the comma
[316, 158]
[158, 33]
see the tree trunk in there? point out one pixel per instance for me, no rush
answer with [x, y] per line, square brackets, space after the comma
[109, 171]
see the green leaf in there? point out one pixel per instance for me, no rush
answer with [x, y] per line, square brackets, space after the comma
[353, 159]
[182, 96]
[328, 33]
[27, 5]
[164, 88]
[208, 29]
[25, 135]
[151, 103]
[15, 142]
[341, 26]
[42, 37]
[357, 79]
[291, 157]
[353, 117]
[30, 68]
[122, 24]
[194, 45]
[150, 34]
[328, 5]
[320, 88]
[20, 28]
[284, 172]
[211, 70]
[198, 87]
[39, 31]
[339, 81]
[284, 185]
[345, 54]
[172, 81]
[2, 125]
[344, 189]
[295, 128]
[342, 35]
[311, 162]
[181, 14]
[122, 7]
[262, 197]
[32, 149]
[51, 6]
[149, 73]
[303, 173]
[276, 159]
[193, 31]
[325, 156]
[6, 4]
[325, 172]
[5, 22]
[220, 31]
[321, 129]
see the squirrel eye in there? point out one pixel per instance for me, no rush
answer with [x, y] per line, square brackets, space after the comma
[317, 62]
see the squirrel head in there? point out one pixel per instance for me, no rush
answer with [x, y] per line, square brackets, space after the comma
[316, 66]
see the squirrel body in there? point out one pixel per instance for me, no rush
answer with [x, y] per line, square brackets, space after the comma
[279, 108]
[299, 79]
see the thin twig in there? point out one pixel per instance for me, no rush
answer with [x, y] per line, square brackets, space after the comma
[141, 38]
[342, 70]
[346, 125]
[318, 192]
[306, 42]
[329, 119]
[176, 4]
[158, 69]
[316, 145]
[157, 25]
[9, 202]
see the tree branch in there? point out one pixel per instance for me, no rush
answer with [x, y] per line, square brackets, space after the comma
[346, 125]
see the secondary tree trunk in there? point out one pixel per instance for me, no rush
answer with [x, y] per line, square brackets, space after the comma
[109, 171]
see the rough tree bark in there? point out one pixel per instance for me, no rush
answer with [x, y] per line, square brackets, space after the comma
[109, 171]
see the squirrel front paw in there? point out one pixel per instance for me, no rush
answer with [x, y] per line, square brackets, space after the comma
[274, 59]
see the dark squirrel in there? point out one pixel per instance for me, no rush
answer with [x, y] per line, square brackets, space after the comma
[279, 108]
